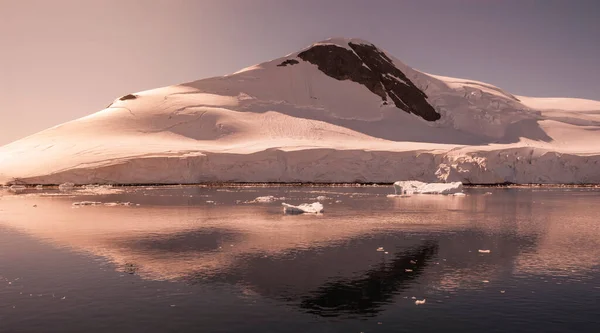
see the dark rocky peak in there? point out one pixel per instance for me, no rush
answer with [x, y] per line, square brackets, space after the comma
[367, 65]
[288, 62]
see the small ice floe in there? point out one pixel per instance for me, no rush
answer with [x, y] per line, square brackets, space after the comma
[408, 270]
[487, 193]
[459, 194]
[380, 249]
[338, 201]
[398, 195]
[502, 291]
[420, 302]
[485, 281]
[484, 251]
[39, 187]
[313, 208]
[268, 198]
[210, 202]
[87, 203]
[265, 199]
[66, 186]
[112, 204]
[322, 198]
[413, 262]
[416, 187]
[17, 188]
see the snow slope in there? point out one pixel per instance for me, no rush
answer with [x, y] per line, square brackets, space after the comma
[319, 120]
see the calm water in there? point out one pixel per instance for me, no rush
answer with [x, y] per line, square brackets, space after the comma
[194, 259]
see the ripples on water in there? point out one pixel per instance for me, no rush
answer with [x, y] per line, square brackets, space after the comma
[203, 259]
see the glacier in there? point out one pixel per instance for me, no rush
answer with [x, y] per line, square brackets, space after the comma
[306, 118]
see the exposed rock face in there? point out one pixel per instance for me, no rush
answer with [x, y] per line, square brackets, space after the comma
[288, 62]
[128, 96]
[373, 69]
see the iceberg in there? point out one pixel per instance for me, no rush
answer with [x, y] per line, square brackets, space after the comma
[416, 187]
[313, 208]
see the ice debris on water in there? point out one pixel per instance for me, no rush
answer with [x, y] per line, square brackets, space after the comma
[39, 187]
[265, 199]
[98, 203]
[87, 203]
[408, 270]
[322, 198]
[380, 249]
[66, 186]
[417, 187]
[118, 204]
[484, 251]
[17, 188]
[420, 302]
[313, 208]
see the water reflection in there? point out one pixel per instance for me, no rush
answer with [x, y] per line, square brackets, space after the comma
[326, 265]
[366, 293]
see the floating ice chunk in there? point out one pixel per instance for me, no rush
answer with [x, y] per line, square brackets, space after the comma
[265, 199]
[17, 188]
[380, 249]
[420, 302]
[484, 251]
[487, 193]
[485, 281]
[322, 198]
[460, 194]
[39, 187]
[268, 198]
[408, 270]
[112, 204]
[416, 187]
[66, 186]
[398, 196]
[87, 203]
[313, 208]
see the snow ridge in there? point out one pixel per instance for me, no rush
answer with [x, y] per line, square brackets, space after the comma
[304, 117]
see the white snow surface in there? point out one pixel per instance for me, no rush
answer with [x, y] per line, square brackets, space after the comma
[417, 187]
[313, 208]
[268, 123]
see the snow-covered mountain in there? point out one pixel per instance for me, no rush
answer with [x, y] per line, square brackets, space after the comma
[341, 110]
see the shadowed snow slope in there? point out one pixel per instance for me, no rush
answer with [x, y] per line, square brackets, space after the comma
[341, 110]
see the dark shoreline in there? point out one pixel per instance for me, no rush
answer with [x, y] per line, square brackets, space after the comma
[274, 184]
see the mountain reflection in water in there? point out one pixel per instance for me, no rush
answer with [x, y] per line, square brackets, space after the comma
[329, 266]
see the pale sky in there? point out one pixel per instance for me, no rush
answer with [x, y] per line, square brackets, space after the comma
[64, 59]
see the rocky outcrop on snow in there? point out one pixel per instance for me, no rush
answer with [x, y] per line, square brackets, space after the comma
[365, 64]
